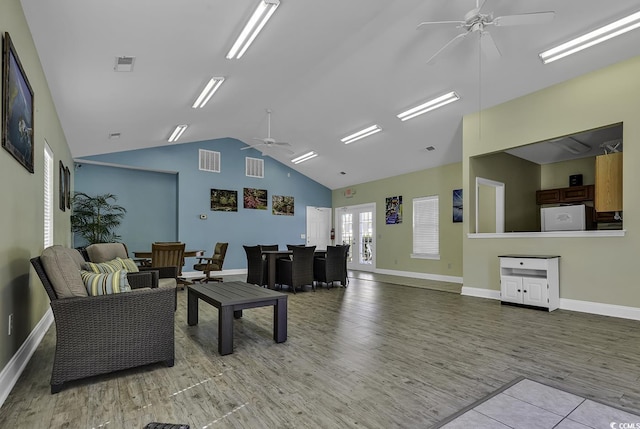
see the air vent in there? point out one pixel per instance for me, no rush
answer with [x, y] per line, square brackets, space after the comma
[124, 64]
[209, 161]
[114, 136]
[430, 148]
[254, 167]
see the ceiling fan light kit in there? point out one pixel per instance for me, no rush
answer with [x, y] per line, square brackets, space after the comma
[302, 158]
[175, 135]
[260, 16]
[208, 91]
[592, 38]
[429, 106]
[373, 129]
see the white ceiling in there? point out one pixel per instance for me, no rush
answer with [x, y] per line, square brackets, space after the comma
[325, 68]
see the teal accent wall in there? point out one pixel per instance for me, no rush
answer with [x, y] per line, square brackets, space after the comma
[246, 226]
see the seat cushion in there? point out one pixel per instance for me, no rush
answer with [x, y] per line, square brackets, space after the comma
[167, 282]
[105, 283]
[62, 265]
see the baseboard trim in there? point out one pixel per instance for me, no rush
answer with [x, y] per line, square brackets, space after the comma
[480, 293]
[600, 309]
[424, 276]
[12, 371]
[611, 310]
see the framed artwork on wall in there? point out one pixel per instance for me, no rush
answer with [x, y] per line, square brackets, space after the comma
[17, 107]
[281, 205]
[255, 198]
[457, 205]
[393, 213]
[62, 194]
[224, 201]
[67, 187]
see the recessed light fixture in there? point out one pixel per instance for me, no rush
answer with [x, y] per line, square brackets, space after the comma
[175, 135]
[594, 37]
[429, 105]
[259, 18]
[302, 158]
[124, 64]
[208, 92]
[361, 134]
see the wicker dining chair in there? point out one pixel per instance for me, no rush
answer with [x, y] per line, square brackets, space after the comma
[297, 271]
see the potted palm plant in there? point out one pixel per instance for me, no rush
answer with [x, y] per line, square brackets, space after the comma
[95, 218]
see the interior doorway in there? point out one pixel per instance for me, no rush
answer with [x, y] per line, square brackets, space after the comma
[319, 227]
[356, 225]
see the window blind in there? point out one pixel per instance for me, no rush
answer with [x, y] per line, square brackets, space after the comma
[426, 240]
[48, 195]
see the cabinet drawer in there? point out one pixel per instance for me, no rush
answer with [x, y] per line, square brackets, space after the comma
[524, 263]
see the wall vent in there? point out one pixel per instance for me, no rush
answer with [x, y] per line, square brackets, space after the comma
[124, 64]
[209, 161]
[254, 167]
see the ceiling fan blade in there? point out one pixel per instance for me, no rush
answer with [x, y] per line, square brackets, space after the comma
[424, 24]
[524, 19]
[282, 143]
[488, 46]
[448, 45]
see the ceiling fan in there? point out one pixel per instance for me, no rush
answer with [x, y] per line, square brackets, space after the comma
[269, 142]
[477, 22]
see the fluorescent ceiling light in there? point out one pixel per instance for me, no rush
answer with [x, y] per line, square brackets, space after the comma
[361, 134]
[429, 105]
[208, 92]
[594, 37]
[302, 158]
[175, 135]
[259, 18]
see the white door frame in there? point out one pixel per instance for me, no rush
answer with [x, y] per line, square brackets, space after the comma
[355, 250]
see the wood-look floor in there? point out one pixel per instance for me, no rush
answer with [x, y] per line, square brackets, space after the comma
[374, 355]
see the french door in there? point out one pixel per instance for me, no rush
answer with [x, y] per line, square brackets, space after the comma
[355, 225]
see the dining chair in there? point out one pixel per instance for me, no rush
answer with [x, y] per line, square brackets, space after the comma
[168, 255]
[297, 271]
[256, 265]
[330, 267]
[214, 263]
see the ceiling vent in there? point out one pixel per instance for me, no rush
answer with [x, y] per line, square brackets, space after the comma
[124, 64]
[209, 161]
[430, 148]
[114, 136]
[254, 167]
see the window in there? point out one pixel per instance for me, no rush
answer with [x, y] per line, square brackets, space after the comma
[426, 241]
[48, 195]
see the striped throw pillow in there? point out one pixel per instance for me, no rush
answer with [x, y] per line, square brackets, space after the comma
[104, 267]
[105, 283]
[128, 264]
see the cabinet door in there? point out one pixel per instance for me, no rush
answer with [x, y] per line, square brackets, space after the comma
[548, 196]
[609, 182]
[535, 291]
[511, 289]
[576, 194]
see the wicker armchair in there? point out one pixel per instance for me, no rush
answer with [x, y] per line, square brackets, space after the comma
[297, 271]
[332, 267]
[102, 334]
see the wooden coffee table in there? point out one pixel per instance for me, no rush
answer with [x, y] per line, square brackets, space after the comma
[230, 298]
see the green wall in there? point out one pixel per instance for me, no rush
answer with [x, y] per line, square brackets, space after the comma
[21, 193]
[556, 175]
[595, 269]
[394, 242]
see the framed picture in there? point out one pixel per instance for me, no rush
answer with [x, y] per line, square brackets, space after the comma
[281, 205]
[17, 107]
[255, 198]
[457, 205]
[62, 195]
[393, 213]
[224, 201]
[67, 187]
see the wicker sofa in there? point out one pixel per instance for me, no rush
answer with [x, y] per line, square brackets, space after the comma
[102, 334]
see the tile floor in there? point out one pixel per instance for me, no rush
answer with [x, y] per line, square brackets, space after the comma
[529, 404]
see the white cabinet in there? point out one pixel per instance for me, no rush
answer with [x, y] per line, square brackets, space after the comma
[531, 280]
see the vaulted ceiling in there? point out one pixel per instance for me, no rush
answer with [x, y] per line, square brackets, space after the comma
[325, 68]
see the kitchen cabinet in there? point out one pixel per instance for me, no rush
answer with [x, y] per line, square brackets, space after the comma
[608, 197]
[530, 280]
[572, 194]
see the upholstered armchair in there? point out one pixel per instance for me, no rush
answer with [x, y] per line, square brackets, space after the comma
[105, 333]
[214, 263]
